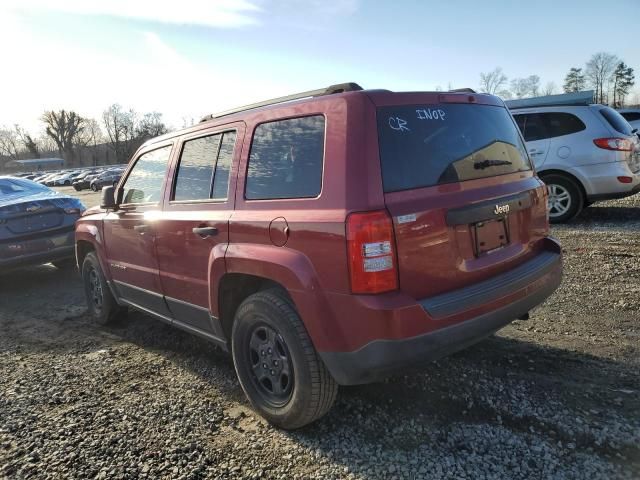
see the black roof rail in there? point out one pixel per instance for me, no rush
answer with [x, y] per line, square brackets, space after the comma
[338, 88]
[463, 90]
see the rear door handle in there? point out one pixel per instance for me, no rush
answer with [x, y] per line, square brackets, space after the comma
[141, 228]
[205, 232]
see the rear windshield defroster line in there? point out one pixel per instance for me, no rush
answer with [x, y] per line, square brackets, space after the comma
[426, 145]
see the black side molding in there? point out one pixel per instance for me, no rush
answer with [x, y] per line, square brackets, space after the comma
[489, 210]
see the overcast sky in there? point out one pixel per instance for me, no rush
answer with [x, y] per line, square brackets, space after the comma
[191, 57]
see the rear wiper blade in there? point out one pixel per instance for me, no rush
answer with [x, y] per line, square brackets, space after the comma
[490, 163]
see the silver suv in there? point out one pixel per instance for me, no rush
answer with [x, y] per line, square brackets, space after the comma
[584, 153]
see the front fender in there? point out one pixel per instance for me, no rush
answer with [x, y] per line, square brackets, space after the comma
[293, 271]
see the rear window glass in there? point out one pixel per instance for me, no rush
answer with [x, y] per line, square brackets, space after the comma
[286, 159]
[426, 145]
[616, 120]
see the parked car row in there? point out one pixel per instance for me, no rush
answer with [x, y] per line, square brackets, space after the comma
[80, 178]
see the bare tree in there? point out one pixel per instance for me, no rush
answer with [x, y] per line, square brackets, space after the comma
[65, 128]
[526, 87]
[120, 126]
[598, 74]
[549, 89]
[574, 81]
[492, 82]
[9, 143]
[27, 140]
[151, 125]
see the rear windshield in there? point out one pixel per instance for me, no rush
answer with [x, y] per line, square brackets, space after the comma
[616, 120]
[426, 145]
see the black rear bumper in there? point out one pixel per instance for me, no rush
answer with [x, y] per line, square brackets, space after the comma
[37, 250]
[380, 358]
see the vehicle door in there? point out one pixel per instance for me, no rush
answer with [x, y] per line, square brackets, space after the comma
[193, 231]
[535, 134]
[129, 234]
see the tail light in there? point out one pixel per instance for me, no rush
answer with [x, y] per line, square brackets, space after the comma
[372, 258]
[625, 179]
[619, 144]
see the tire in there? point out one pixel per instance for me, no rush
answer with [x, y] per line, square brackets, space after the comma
[94, 187]
[66, 264]
[77, 188]
[67, 183]
[565, 198]
[267, 330]
[103, 307]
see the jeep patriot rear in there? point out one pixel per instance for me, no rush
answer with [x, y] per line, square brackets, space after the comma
[332, 237]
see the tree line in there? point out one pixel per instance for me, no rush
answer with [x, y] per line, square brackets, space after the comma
[605, 73]
[79, 139]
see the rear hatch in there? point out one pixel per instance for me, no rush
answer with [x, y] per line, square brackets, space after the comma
[629, 149]
[459, 185]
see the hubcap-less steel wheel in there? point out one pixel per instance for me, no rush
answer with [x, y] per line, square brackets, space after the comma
[272, 371]
[95, 289]
[559, 200]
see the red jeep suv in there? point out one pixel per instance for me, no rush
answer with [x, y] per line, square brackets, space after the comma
[327, 238]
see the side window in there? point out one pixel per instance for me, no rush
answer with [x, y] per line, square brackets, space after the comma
[559, 123]
[534, 128]
[144, 183]
[631, 116]
[286, 159]
[195, 171]
[223, 167]
[520, 122]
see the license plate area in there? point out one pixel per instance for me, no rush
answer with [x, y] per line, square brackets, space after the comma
[490, 235]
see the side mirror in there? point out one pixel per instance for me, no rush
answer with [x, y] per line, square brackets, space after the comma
[108, 198]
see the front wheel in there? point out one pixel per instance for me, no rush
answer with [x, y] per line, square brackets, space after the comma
[103, 307]
[94, 187]
[565, 198]
[277, 365]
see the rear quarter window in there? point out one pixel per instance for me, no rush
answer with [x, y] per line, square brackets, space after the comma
[426, 145]
[286, 159]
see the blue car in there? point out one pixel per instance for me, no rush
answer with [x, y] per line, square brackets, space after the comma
[36, 224]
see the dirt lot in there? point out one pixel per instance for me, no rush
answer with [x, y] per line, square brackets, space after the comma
[552, 397]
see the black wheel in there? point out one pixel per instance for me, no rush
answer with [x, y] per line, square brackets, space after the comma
[94, 187]
[67, 182]
[77, 188]
[565, 198]
[278, 368]
[103, 307]
[65, 264]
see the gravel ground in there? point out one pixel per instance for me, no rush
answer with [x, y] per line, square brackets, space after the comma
[552, 397]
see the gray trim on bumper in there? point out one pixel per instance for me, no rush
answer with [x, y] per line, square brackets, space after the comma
[487, 291]
[380, 358]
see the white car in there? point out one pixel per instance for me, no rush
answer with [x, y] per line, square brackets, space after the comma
[64, 179]
[631, 115]
[584, 153]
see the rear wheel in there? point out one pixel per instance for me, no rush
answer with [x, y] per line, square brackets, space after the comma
[278, 368]
[94, 187]
[103, 307]
[565, 198]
